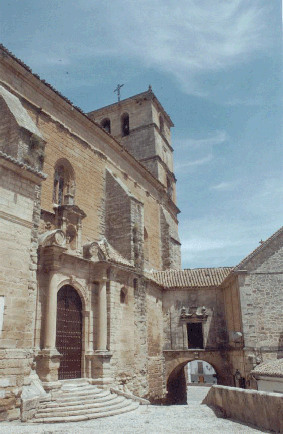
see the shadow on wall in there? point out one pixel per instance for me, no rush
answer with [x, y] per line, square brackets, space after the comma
[280, 346]
[177, 386]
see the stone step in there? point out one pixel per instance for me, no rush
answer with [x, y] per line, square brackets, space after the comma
[88, 399]
[117, 403]
[60, 398]
[77, 405]
[78, 389]
[76, 418]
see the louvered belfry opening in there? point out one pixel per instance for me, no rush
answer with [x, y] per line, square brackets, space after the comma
[69, 332]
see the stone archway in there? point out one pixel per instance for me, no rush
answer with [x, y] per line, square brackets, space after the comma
[69, 332]
[175, 362]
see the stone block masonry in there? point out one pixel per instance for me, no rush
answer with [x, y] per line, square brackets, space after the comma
[261, 409]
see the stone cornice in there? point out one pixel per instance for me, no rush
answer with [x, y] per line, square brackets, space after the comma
[21, 168]
[15, 219]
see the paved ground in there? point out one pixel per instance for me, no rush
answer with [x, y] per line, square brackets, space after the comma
[193, 418]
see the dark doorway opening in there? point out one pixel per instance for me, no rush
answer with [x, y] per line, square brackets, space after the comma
[69, 332]
[195, 335]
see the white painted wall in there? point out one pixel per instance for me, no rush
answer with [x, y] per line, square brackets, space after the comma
[270, 384]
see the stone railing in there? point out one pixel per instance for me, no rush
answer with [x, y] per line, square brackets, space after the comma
[262, 409]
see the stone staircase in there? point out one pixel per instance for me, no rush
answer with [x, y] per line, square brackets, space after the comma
[77, 400]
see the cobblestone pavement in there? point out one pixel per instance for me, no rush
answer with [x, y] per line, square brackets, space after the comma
[180, 419]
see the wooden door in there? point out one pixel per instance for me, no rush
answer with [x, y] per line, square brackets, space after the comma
[69, 332]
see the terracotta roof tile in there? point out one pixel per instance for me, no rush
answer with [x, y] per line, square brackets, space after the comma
[191, 278]
[269, 369]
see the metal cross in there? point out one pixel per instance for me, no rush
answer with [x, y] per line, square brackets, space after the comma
[118, 90]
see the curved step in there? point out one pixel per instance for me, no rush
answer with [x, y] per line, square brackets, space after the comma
[74, 408]
[132, 406]
[74, 401]
[97, 396]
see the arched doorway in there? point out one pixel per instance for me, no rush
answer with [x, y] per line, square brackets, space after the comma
[69, 332]
[201, 372]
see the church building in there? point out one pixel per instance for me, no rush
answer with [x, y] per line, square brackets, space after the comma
[91, 285]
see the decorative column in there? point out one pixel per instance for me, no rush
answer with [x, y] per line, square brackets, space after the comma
[48, 359]
[101, 363]
[102, 316]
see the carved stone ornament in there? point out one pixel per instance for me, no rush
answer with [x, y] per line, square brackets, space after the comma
[52, 238]
[93, 252]
[194, 314]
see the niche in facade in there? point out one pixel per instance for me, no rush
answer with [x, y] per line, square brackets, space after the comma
[123, 295]
[71, 237]
[125, 124]
[64, 183]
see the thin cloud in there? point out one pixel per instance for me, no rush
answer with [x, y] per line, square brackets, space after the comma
[218, 138]
[225, 186]
[184, 39]
[194, 163]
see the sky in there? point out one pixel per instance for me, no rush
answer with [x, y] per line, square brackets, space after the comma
[215, 66]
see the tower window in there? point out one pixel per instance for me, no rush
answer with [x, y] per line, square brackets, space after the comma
[125, 124]
[106, 125]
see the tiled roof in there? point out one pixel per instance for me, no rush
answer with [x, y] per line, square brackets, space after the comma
[192, 278]
[269, 369]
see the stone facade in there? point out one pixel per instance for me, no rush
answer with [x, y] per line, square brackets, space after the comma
[89, 230]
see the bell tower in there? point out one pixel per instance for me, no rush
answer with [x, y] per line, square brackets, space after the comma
[141, 124]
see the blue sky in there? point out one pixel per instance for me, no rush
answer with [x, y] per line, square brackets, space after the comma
[216, 67]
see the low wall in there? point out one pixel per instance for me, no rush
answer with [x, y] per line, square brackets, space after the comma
[262, 409]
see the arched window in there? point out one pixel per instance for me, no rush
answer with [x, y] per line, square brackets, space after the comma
[106, 125]
[123, 295]
[64, 183]
[125, 124]
[161, 124]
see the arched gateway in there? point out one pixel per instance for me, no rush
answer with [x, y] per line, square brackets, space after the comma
[69, 332]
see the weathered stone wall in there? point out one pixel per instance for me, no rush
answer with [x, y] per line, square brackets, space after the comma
[122, 329]
[118, 225]
[261, 409]
[9, 133]
[18, 243]
[170, 243]
[259, 284]
[156, 366]
[214, 328]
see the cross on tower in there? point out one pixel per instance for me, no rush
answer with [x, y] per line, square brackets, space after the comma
[118, 90]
